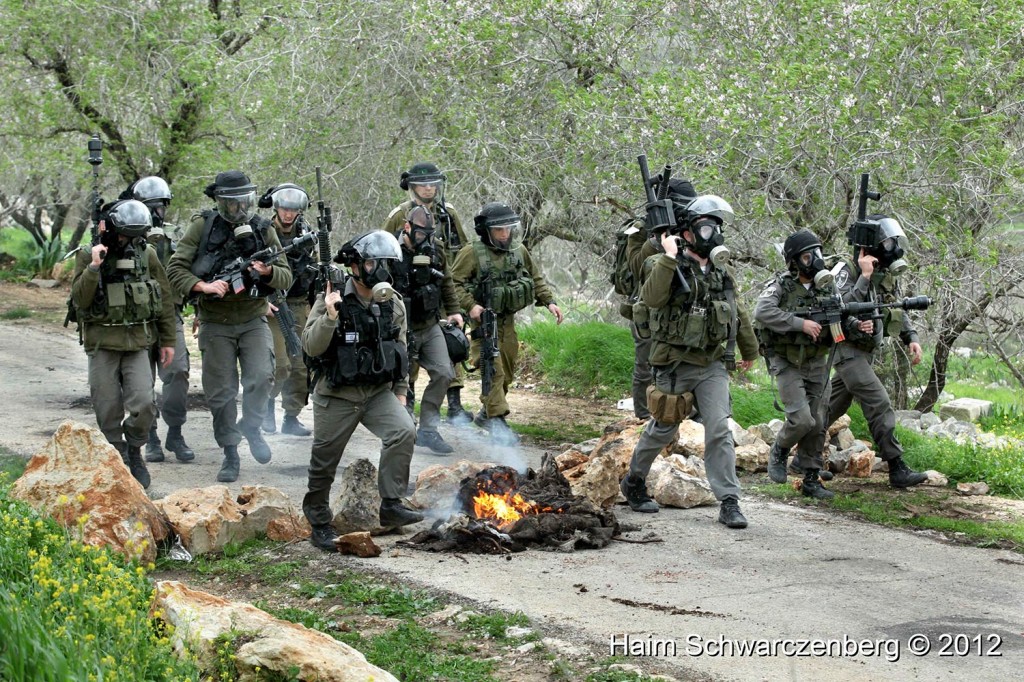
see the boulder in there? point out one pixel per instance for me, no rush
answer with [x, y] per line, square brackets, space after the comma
[356, 501]
[838, 425]
[358, 544]
[271, 513]
[672, 486]
[570, 459]
[978, 488]
[206, 518]
[740, 436]
[935, 479]
[598, 479]
[860, 464]
[78, 473]
[753, 457]
[844, 439]
[263, 645]
[929, 419]
[437, 485]
[767, 432]
[691, 439]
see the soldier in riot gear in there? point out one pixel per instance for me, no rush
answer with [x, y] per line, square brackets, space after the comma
[500, 261]
[797, 351]
[641, 245]
[125, 306]
[233, 327]
[289, 203]
[357, 341]
[154, 192]
[688, 307]
[423, 279]
[425, 184]
[875, 278]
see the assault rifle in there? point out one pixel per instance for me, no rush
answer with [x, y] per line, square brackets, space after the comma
[95, 160]
[324, 225]
[487, 332]
[863, 233]
[234, 273]
[286, 322]
[833, 309]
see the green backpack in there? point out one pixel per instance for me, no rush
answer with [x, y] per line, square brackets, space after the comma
[622, 275]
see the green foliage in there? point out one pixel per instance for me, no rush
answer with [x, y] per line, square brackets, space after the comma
[1005, 421]
[12, 465]
[494, 625]
[376, 598]
[588, 360]
[414, 654]
[70, 611]
[18, 313]
[1002, 468]
[45, 257]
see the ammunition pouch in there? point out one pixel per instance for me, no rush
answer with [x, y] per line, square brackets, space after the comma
[514, 296]
[892, 321]
[668, 408]
[641, 316]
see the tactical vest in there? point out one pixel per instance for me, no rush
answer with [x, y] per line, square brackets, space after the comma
[130, 297]
[420, 286]
[301, 262]
[218, 247]
[885, 286]
[796, 346]
[699, 320]
[511, 283]
[366, 349]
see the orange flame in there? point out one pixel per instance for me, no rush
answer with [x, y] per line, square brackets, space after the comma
[503, 510]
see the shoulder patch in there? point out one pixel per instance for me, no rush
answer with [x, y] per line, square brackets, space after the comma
[841, 274]
[632, 229]
[394, 211]
[769, 290]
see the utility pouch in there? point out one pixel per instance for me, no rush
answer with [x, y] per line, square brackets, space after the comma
[642, 319]
[668, 408]
[894, 322]
[693, 326]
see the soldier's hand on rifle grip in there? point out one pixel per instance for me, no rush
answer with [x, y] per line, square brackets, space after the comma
[216, 288]
[866, 326]
[262, 268]
[332, 299]
[99, 252]
[867, 264]
[670, 243]
[812, 329]
[475, 312]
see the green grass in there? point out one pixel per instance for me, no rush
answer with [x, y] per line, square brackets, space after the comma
[374, 597]
[1005, 421]
[414, 654]
[588, 360]
[1001, 468]
[901, 510]
[556, 432]
[494, 625]
[12, 465]
[19, 313]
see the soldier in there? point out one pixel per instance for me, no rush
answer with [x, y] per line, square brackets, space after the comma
[423, 280]
[641, 246]
[125, 307]
[875, 278]
[156, 195]
[689, 306]
[425, 184]
[797, 351]
[289, 201]
[233, 327]
[515, 280]
[356, 338]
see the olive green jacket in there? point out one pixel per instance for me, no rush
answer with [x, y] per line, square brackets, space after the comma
[121, 337]
[467, 267]
[232, 308]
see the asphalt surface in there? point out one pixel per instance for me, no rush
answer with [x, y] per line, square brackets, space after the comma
[799, 595]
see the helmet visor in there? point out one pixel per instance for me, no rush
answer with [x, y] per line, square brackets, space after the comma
[506, 235]
[711, 205]
[236, 206]
[130, 218]
[291, 198]
[891, 235]
[151, 188]
[378, 245]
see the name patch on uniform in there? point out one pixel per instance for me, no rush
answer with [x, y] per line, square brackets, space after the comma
[769, 291]
[351, 337]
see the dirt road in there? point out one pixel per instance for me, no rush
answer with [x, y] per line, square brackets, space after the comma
[794, 577]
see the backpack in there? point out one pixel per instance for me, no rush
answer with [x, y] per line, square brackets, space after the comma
[622, 277]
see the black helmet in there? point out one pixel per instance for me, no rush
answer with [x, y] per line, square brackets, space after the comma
[129, 218]
[423, 173]
[235, 196]
[496, 215]
[797, 243]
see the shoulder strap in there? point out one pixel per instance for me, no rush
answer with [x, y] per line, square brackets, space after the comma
[204, 240]
[483, 258]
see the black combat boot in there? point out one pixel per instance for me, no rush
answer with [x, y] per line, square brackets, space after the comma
[393, 514]
[258, 447]
[634, 489]
[229, 469]
[293, 427]
[812, 487]
[902, 476]
[323, 537]
[730, 514]
[502, 433]
[269, 420]
[154, 453]
[823, 474]
[457, 415]
[777, 463]
[433, 440]
[481, 420]
[176, 443]
[137, 465]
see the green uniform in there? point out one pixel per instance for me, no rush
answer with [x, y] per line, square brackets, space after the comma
[123, 313]
[233, 330]
[639, 249]
[517, 282]
[798, 363]
[688, 336]
[854, 376]
[290, 380]
[343, 399]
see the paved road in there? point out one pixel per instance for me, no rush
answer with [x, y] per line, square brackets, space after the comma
[794, 577]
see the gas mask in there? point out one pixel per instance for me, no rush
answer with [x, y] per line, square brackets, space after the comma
[374, 275]
[708, 240]
[890, 255]
[246, 239]
[125, 261]
[811, 264]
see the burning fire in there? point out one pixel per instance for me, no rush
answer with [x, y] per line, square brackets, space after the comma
[504, 510]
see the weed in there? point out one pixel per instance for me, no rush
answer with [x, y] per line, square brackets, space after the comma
[19, 313]
[378, 599]
[410, 652]
[588, 360]
[494, 625]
